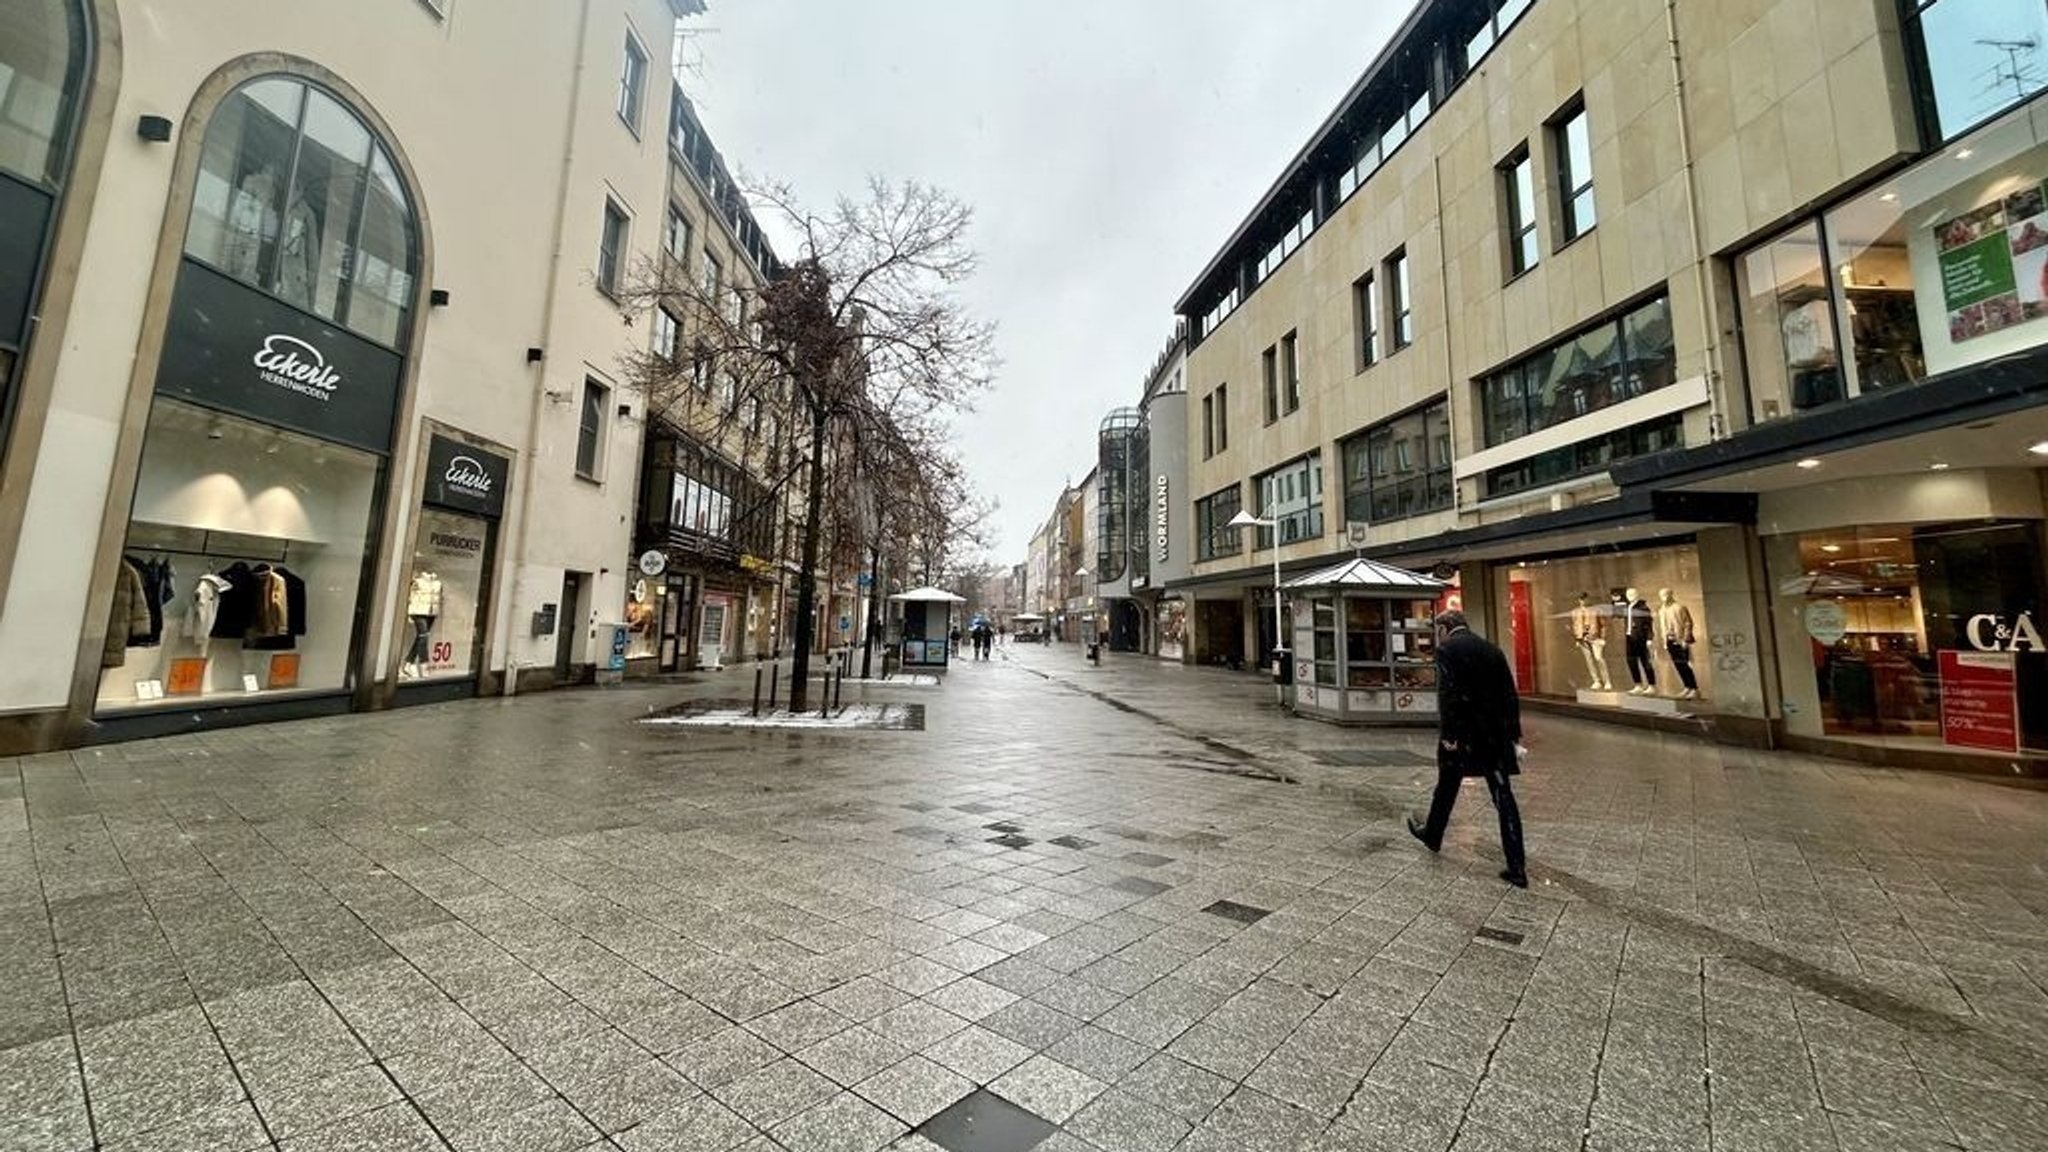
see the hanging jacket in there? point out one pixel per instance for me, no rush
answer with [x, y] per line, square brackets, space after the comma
[280, 618]
[127, 617]
[205, 607]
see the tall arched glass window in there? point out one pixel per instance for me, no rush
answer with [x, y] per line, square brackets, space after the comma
[296, 197]
[42, 48]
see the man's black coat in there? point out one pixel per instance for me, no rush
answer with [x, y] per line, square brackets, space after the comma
[1477, 707]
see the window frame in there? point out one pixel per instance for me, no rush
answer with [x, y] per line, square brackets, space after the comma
[1223, 418]
[1920, 80]
[592, 430]
[678, 236]
[1518, 212]
[612, 248]
[1269, 373]
[1435, 418]
[1290, 373]
[1400, 302]
[1309, 467]
[1214, 539]
[1365, 303]
[633, 70]
[1573, 117]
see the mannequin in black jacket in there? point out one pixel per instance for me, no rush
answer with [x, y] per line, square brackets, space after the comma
[1479, 724]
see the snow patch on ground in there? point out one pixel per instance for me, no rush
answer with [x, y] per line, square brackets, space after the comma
[725, 714]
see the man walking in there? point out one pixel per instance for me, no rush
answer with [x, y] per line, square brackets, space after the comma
[1479, 729]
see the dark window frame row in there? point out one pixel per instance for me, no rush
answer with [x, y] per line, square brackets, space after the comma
[1362, 453]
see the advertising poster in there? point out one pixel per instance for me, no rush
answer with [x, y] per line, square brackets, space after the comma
[1979, 705]
[1994, 264]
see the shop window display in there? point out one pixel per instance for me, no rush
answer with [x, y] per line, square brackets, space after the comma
[443, 601]
[242, 564]
[1617, 625]
[1867, 612]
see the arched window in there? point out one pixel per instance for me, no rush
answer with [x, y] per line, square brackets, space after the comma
[296, 197]
[42, 49]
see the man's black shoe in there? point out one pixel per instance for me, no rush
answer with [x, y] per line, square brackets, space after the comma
[1416, 831]
[1518, 879]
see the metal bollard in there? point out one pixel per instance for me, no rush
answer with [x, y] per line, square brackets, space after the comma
[837, 689]
[774, 680]
[825, 693]
[757, 691]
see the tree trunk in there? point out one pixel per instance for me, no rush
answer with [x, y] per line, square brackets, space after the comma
[807, 591]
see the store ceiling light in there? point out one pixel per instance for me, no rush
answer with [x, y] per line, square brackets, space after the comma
[1964, 153]
[1809, 464]
[2039, 448]
[1831, 548]
[1937, 466]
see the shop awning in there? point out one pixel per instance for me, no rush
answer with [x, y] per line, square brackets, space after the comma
[1367, 576]
[929, 596]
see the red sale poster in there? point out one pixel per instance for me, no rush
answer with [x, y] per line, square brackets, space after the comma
[1979, 708]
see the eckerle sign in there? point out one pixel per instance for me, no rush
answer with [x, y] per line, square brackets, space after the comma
[465, 477]
[234, 349]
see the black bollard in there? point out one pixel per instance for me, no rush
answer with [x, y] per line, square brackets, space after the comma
[825, 693]
[757, 690]
[774, 680]
[837, 689]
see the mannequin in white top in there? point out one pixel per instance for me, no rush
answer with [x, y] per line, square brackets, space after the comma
[422, 605]
[1589, 632]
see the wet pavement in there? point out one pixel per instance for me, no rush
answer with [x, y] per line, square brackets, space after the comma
[1129, 908]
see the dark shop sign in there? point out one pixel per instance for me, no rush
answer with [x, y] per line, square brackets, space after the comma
[466, 478]
[231, 347]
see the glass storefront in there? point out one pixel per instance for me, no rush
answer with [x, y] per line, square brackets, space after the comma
[1173, 629]
[444, 601]
[1922, 633]
[1611, 625]
[243, 563]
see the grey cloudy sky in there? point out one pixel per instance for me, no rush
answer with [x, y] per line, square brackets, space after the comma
[1108, 148]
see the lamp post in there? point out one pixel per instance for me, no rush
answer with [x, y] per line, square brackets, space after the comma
[1244, 519]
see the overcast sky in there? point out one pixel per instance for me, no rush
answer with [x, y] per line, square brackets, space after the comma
[1108, 148]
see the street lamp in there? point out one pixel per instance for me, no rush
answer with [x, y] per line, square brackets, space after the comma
[1245, 519]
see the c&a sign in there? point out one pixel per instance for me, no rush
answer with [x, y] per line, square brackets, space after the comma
[1988, 632]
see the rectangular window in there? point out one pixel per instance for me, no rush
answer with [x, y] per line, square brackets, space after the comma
[1587, 456]
[1214, 538]
[590, 428]
[1976, 58]
[1269, 371]
[1828, 307]
[1365, 301]
[632, 83]
[611, 250]
[1609, 363]
[1290, 373]
[1400, 468]
[668, 334]
[1208, 426]
[1292, 496]
[1572, 144]
[714, 278]
[1223, 417]
[1518, 201]
[1400, 306]
[677, 239]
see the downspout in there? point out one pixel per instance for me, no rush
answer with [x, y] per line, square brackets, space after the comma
[1709, 302]
[547, 327]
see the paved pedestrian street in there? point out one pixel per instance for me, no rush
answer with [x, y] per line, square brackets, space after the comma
[1128, 908]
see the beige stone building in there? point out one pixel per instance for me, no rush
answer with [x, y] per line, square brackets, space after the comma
[311, 351]
[1722, 315]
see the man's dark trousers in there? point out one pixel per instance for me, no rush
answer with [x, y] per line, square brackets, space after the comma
[1449, 775]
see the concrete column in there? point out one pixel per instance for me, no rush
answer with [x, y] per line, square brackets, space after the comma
[1736, 637]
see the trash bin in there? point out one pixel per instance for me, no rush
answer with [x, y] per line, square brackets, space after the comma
[1283, 667]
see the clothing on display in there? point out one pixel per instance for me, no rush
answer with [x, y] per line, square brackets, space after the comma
[205, 607]
[128, 621]
[1639, 623]
[264, 606]
[424, 598]
[1589, 632]
[422, 626]
[1674, 622]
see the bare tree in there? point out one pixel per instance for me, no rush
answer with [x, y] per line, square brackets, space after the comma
[856, 346]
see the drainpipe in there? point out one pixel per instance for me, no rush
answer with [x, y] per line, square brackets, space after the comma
[1709, 302]
[547, 327]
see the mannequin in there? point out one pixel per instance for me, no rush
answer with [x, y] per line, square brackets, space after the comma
[1638, 621]
[422, 605]
[1589, 631]
[1674, 624]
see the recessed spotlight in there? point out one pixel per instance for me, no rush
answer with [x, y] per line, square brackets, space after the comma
[1831, 547]
[2039, 448]
[1890, 197]
[1937, 466]
[1808, 464]
[1964, 153]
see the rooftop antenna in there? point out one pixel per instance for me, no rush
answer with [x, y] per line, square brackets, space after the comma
[2023, 77]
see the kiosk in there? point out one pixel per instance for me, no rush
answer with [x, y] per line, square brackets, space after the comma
[1364, 644]
[922, 634]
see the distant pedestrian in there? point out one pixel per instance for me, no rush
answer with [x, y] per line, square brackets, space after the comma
[984, 640]
[1479, 733]
[954, 638]
[1003, 635]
